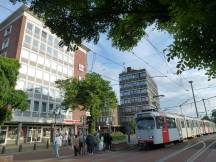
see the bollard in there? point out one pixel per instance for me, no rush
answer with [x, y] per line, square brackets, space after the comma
[47, 144]
[20, 148]
[3, 150]
[34, 148]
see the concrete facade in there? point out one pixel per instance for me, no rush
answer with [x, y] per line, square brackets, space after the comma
[138, 92]
[43, 61]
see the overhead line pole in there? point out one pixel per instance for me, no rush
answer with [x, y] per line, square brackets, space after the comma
[205, 107]
[191, 83]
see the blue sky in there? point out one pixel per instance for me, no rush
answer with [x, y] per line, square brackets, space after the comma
[175, 88]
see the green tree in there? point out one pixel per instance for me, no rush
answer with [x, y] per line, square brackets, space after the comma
[191, 23]
[132, 125]
[91, 94]
[213, 115]
[9, 97]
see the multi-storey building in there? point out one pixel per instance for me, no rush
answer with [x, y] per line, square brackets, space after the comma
[138, 92]
[43, 61]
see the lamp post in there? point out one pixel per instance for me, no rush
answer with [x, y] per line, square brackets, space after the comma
[203, 100]
[191, 83]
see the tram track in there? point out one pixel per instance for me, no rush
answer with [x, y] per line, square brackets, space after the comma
[202, 145]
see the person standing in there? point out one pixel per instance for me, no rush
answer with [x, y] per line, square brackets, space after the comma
[57, 144]
[109, 141]
[76, 145]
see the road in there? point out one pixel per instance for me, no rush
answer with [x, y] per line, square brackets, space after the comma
[201, 149]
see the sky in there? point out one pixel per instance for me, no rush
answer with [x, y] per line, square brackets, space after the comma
[148, 54]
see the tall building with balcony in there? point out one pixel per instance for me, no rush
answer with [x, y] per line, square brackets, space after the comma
[24, 37]
[138, 92]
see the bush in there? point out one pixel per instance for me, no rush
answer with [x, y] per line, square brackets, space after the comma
[118, 136]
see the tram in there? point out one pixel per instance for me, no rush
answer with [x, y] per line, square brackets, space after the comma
[154, 127]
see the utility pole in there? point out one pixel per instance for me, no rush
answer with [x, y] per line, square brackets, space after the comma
[191, 83]
[203, 100]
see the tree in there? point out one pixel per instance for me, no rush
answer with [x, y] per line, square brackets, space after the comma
[191, 23]
[89, 94]
[214, 115]
[9, 97]
[206, 118]
[132, 125]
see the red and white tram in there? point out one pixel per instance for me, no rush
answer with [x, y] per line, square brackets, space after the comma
[153, 127]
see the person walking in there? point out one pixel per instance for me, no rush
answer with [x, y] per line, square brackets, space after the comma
[90, 143]
[57, 143]
[109, 142]
[82, 144]
[76, 145]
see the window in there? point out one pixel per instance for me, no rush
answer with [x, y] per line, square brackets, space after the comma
[31, 71]
[46, 76]
[43, 35]
[33, 57]
[80, 78]
[25, 54]
[5, 43]
[20, 85]
[171, 122]
[55, 53]
[49, 51]
[42, 47]
[27, 40]
[50, 106]
[30, 87]
[65, 58]
[145, 123]
[52, 78]
[36, 106]
[54, 65]
[50, 39]
[44, 107]
[81, 67]
[38, 89]
[47, 63]
[35, 44]
[23, 69]
[37, 32]
[59, 68]
[39, 74]
[40, 60]
[7, 31]
[29, 27]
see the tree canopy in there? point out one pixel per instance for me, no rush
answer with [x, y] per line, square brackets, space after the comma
[191, 23]
[9, 97]
[92, 94]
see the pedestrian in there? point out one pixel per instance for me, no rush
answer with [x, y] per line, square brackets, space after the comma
[65, 139]
[57, 143]
[90, 143]
[109, 142]
[82, 143]
[76, 145]
[101, 143]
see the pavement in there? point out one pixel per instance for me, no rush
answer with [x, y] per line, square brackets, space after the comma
[201, 149]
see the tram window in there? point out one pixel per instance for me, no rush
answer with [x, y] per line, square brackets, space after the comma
[171, 122]
[182, 124]
[145, 123]
[160, 122]
[188, 124]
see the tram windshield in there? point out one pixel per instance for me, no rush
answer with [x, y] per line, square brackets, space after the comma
[145, 123]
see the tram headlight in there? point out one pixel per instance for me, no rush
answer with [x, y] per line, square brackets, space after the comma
[151, 137]
[138, 137]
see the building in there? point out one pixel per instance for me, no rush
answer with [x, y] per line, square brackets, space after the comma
[43, 61]
[138, 92]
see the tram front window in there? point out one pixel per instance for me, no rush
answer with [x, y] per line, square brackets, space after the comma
[145, 123]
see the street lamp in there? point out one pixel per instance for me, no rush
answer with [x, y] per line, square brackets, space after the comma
[191, 83]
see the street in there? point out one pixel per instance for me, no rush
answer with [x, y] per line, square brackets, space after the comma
[201, 149]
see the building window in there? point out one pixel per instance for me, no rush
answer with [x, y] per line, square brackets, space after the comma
[5, 43]
[39, 74]
[51, 107]
[27, 40]
[37, 32]
[36, 106]
[50, 39]
[43, 36]
[35, 44]
[33, 57]
[81, 67]
[40, 60]
[42, 47]
[23, 69]
[29, 27]
[7, 31]
[80, 78]
[31, 72]
[44, 107]
[49, 51]
[30, 87]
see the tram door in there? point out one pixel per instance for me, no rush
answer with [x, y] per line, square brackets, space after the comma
[178, 124]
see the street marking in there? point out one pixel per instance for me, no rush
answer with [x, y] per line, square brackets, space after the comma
[183, 149]
[193, 158]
